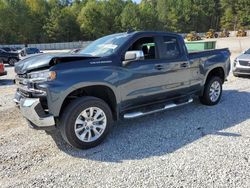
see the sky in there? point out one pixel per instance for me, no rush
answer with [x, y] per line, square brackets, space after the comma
[137, 1]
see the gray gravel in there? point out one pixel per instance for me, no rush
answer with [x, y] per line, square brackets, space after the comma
[192, 146]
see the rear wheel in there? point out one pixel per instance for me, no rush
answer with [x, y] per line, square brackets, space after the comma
[86, 122]
[12, 61]
[212, 91]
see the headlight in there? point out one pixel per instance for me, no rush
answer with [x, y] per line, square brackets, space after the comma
[42, 76]
[235, 62]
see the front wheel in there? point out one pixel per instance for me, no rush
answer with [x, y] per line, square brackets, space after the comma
[212, 91]
[85, 122]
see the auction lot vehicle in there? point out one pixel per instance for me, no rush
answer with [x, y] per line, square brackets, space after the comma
[241, 33]
[29, 51]
[224, 33]
[241, 65]
[192, 36]
[124, 75]
[9, 49]
[211, 34]
[2, 71]
[9, 57]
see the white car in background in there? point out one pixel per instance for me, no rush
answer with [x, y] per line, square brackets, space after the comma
[241, 65]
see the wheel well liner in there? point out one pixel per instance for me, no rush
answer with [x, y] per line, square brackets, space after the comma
[219, 71]
[99, 91]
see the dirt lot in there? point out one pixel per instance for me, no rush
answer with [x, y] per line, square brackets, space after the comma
[192, 146]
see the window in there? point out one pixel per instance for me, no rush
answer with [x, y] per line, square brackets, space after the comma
[147, 45]
[171, 48]
[106, 45]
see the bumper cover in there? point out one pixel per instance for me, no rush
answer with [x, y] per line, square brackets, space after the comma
[242, 71]
[32, 110]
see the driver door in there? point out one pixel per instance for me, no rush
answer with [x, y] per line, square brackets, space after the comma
[143, 82]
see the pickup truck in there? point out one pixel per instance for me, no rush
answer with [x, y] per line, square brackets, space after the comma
[124, 75]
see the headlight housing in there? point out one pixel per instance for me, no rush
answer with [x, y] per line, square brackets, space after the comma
[42, 76]
[235, 62]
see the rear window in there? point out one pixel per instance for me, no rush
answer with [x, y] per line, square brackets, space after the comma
[171, 47]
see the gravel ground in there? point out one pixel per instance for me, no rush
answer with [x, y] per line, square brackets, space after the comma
[191, 146]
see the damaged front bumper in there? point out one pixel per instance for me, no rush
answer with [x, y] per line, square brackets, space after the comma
[32, 110]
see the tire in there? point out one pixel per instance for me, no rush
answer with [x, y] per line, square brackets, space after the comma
[12, 61]
[206, 98]
[80, 110]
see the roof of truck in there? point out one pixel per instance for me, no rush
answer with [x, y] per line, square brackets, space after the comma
[152, 32]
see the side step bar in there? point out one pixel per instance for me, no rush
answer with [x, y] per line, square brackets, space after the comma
[168, 106]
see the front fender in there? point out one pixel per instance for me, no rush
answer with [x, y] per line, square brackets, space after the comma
[69, 81]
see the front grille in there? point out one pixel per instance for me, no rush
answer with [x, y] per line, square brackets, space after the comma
[244, 63]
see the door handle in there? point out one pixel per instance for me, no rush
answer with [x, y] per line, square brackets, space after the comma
[159, 67]
[184, 65]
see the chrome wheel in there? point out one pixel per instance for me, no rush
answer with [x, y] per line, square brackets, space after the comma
[90, 124]
[214, 91]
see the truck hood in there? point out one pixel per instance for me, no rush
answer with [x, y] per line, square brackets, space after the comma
[40, 61]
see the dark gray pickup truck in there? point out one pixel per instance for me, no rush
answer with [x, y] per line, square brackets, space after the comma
[125, 75]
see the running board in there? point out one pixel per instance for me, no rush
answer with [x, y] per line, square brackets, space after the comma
[168, 106]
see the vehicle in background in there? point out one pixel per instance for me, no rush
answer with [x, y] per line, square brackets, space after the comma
[9, 49]
[124, 75]
[211, 34]
[241, 33]
[28, 51]
[2, 70]
[224, 33]
[9, 57]
[192, 36]
[241, 65]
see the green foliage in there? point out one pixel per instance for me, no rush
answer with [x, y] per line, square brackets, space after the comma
[130, 17]
[36, 21]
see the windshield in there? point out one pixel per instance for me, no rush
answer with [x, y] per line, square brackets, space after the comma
[105, 45]
[247, 52]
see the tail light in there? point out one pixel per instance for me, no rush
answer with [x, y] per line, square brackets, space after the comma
[1, 66]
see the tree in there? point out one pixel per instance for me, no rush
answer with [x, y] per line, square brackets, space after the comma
[38, 12]
[130, 17]
[36, 21]
[62, 25]
[149, 16]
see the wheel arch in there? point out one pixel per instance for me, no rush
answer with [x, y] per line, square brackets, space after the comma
[103, 92]
[216, 71]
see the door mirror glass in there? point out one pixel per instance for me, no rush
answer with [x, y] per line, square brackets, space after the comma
[133, 56]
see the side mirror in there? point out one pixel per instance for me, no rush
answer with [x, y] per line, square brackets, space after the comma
[133, 56]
